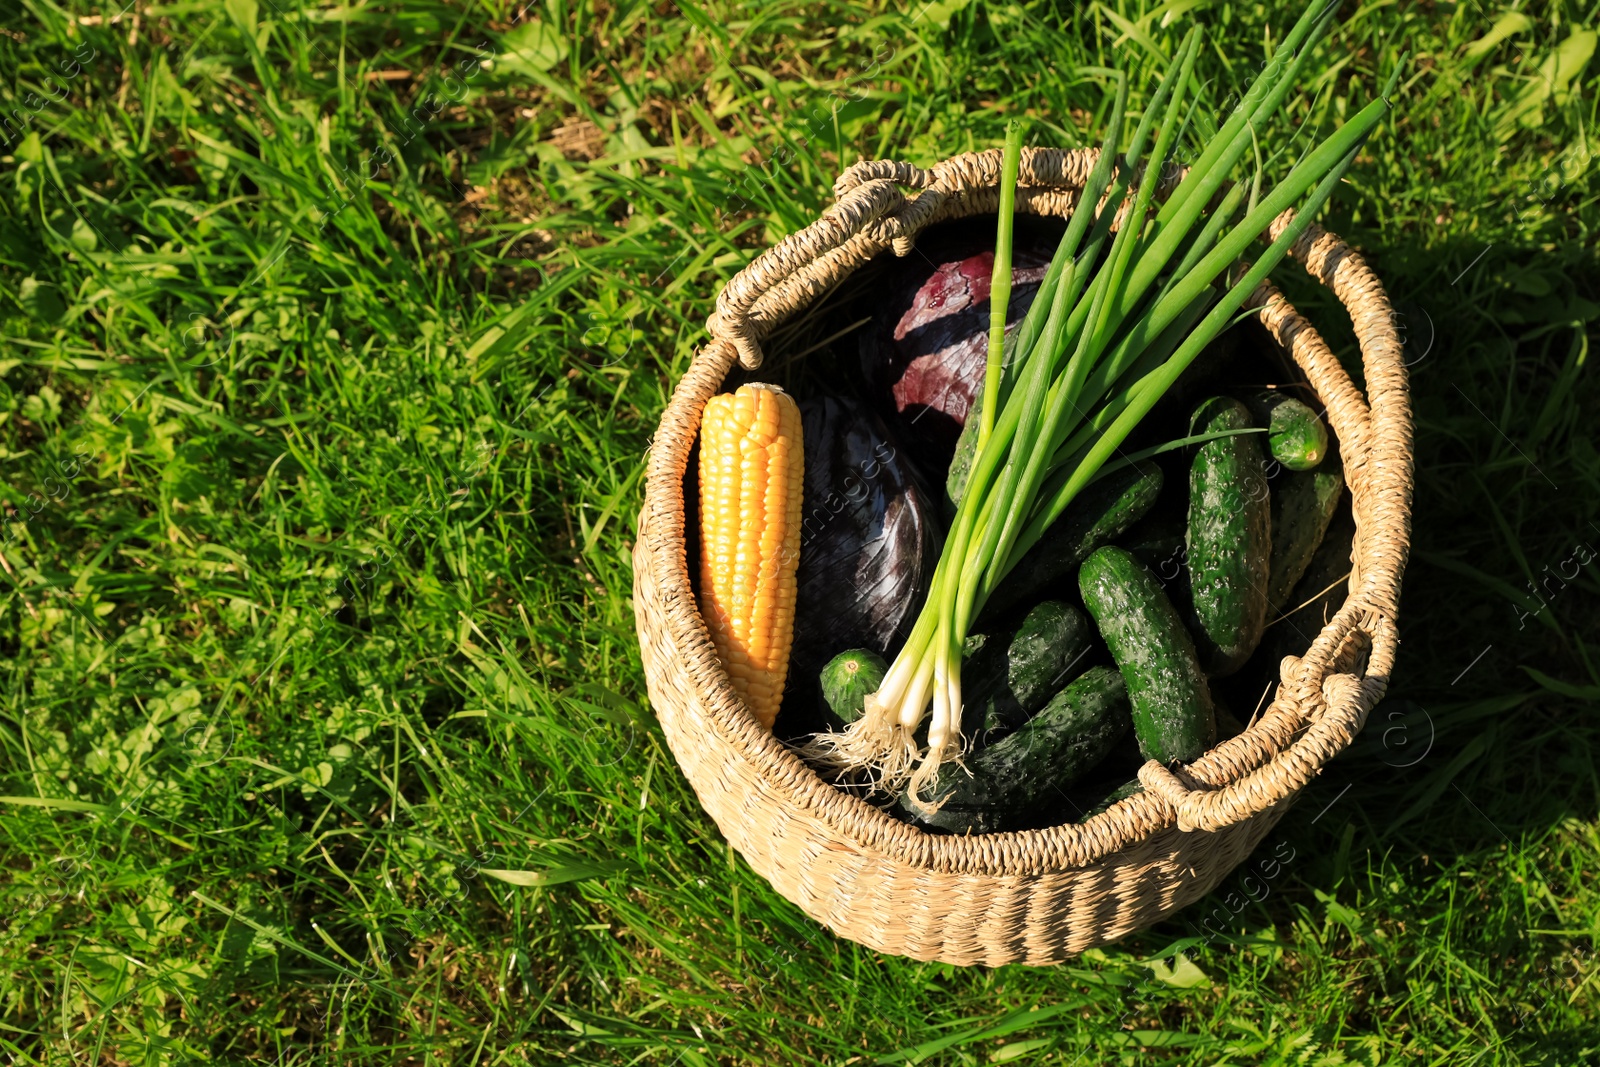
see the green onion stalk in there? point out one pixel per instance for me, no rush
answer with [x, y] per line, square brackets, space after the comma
[1132, 295]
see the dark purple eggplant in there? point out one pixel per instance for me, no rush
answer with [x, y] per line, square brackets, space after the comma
[869, 542]
[928, 344]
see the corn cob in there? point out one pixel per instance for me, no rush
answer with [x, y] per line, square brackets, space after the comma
[751, 466]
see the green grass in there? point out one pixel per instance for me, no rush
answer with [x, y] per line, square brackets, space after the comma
[335, 337]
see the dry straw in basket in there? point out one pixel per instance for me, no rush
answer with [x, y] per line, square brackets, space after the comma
[1035, 896]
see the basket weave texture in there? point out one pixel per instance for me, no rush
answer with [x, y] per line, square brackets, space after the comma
[1037, 896]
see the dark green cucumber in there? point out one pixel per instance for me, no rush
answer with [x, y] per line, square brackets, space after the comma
[848, 679]
[1296, 437]
[1319, 593]
[1009, 782]
[1303, 503]
[1172, 713]
[1010, 676]
[1230, 531]
[1120, 793]
[1100, 514]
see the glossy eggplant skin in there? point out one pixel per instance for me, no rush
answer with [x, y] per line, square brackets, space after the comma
[927, 347]
[869, 542]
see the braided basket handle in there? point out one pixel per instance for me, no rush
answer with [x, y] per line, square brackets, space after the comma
[864, 204]
[1338, 709]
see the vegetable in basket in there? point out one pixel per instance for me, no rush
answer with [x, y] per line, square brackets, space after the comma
[1229, 539]
[846, 680]
[1015, 781]
[1303, 504]
[1319, 593]
[1173, 716]
[750, 472]
[927, 346]
[1296, 437]
[1012, 673]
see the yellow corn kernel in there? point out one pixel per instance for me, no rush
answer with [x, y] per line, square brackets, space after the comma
[751, 468]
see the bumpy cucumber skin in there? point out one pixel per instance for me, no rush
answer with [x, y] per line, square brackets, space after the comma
[1296, 437]
[1230, 538]
[1173, 717]
[1100, 514]
[847, 680]
[1011, 779]
[1012, 677]
[1303, 503]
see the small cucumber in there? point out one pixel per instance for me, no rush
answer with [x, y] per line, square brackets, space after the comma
[848, 679]
[1303, 503]
[1172, 713]
[1230, 531]
[1013, 674]
[1007, 784]
[1296, 437]
[1100, 514]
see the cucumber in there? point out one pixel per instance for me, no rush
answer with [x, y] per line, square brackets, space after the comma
[1303, 503]
[1320, 592]
[1008, 677]
[1100, 514]
[1296, 437]
[1229, 542]
[847, 680]
[1172, 713]
[1009, 782]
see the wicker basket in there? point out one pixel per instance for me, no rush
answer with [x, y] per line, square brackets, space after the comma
[1037, 896]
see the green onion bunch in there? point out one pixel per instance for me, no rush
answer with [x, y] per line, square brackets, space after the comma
[1122, 311]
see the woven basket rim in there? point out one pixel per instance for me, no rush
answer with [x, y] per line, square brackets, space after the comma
[1321, 701]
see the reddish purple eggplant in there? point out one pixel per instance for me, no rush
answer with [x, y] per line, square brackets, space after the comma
[928, 344]
[869, 542]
